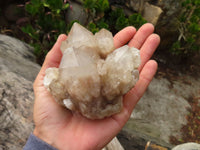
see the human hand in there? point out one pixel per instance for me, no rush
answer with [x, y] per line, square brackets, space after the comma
[64, 130]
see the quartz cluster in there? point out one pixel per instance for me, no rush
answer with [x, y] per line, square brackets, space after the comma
[93, 76]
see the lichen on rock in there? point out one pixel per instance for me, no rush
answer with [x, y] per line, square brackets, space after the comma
[93, 77]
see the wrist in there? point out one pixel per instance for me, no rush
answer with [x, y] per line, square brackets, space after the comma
[35, 143]
[51, 138]
[44, 136]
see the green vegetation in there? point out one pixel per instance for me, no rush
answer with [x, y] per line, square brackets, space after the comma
[189, 28]
[102, 16]
[47, 21]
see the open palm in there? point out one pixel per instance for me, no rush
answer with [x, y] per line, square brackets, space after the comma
[67, 131]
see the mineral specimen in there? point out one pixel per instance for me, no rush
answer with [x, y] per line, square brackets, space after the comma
[93, 77]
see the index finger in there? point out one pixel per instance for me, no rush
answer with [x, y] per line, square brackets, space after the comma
[124, 36]
[141, 35]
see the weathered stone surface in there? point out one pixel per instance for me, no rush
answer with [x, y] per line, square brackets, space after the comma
[151, 13]
[18, 57]
[187, 146]
[76, 12]
[163, 109]
[92, 77]
[17, 72]
[136, 5]
[114, 145]
[15, 110]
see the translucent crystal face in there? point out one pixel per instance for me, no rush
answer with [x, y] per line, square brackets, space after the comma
[93, 76]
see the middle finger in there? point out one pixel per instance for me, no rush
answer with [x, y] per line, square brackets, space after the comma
[141, 35]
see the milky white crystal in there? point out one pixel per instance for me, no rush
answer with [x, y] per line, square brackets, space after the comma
[93, 75]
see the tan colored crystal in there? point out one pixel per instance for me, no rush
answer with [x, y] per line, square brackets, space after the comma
[92, 76]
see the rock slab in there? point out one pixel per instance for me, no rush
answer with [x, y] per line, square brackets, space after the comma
[162, 111]
[17, 72]
[187, 146]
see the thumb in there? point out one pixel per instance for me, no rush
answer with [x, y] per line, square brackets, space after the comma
[52, 59]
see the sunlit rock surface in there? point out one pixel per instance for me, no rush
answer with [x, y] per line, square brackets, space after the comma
[93, 76]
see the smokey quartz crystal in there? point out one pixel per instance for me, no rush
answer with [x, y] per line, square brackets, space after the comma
[93, 76]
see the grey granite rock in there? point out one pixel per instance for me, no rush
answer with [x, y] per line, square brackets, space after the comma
[17, 72]
[187, 146]
[76, 12]
[17, 57]
[162, 111]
